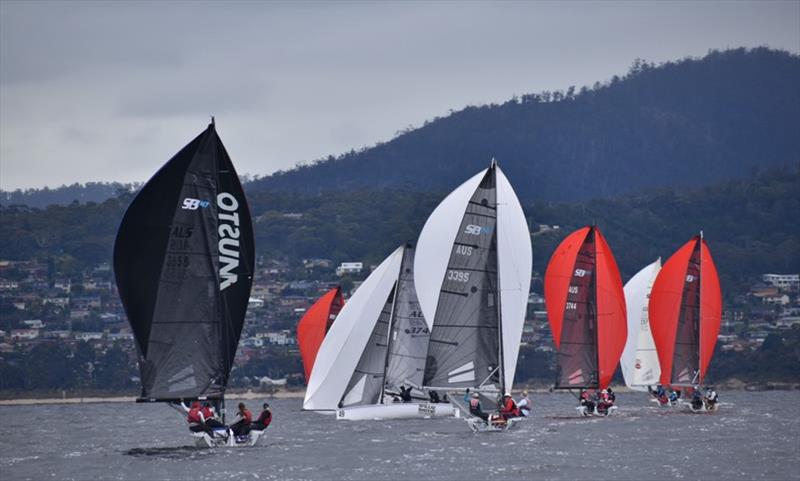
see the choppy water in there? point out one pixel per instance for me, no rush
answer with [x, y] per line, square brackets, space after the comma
[753, 436]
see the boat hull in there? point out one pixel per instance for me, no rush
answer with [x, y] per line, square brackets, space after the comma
[398, 411]
[221, 440]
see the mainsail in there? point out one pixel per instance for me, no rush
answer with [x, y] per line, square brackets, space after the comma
[685, 312]
[639, 360]
[375, 342]
[472, 272]
[315, 324]
[183, 261]
[586, 310]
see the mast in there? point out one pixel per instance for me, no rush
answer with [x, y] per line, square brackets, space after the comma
[700, 314]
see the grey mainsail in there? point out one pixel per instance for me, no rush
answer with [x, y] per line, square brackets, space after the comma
[408, 345]
[464, 347]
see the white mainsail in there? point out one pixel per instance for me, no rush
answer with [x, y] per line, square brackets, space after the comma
[639, 361]
[512, 266]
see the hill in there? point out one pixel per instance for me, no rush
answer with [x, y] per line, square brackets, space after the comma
[750, 225]
[686, 123]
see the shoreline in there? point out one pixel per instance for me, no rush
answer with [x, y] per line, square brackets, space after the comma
[300, 394]
[247, 395]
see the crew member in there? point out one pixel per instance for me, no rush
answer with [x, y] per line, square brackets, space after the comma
[263, 420]
[509, 409]
[476, 409]
[710, 398]
[243, 419]
[524, 404]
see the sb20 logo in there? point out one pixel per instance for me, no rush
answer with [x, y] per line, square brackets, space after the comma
[193, 204]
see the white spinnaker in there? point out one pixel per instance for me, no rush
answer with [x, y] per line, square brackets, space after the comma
[514, 256]
[515, 263]
[639, 362]
[436, 242]
[342, 347]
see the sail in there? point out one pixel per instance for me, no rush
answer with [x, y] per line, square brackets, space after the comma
[685, 302]
[315, 324]
[472, 272]
[464, 348]
[586, 310]
[569, 290]
[366, 383]
[408, 346]
[710, 308]
[343, 346]
[612, 326]
[183, 261]
[639, 361]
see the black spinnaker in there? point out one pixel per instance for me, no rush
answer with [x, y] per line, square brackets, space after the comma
[183, 261]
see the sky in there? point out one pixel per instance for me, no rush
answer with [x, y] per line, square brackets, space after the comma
[110, 90]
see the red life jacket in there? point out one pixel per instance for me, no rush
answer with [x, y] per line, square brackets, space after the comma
[247, 416]
[510, 407]
[207, 412]
[265, 418]
[194, 416]
[474, 403]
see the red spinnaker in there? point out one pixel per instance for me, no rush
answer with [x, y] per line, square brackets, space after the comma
[665, 305]
[557, 278]
[612, 324]
[594, 344]
[710, 308]
[315, 324]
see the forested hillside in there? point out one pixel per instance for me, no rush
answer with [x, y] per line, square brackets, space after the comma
[751, 226]
[685, 123]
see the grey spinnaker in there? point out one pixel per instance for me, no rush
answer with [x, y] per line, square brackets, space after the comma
[183, 261]
[464, 347]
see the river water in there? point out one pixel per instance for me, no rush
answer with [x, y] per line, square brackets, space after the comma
[752, 436]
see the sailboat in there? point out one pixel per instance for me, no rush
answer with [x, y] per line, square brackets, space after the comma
[183, 260]
[315, 324]
[639, 360]
[586, 311]
[376, 347]
[472, 272]
[685, 313]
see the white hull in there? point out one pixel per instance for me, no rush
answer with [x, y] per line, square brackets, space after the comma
[222, 440]
[584, 411]
[477, 425]
[398, 411]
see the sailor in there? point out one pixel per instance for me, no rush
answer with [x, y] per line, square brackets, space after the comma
[263, 420]
[524, 404]
[674, 396]
[405, 394]
[476, 409]
[659, 393]
[586, 400]
[710, 398]
[612, 397]
[209, 418]
[509, 408]
[434, 396]
[243, 419]
[604, 402]
[194, 419]
[697, 399]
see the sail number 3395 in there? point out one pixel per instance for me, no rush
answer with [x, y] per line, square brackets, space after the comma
[458, 276]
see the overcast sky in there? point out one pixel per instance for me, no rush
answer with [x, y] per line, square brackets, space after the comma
[110, 90]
